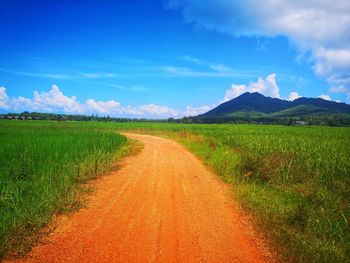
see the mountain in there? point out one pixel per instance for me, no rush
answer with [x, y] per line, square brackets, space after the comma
[257, 107]
[255, 102]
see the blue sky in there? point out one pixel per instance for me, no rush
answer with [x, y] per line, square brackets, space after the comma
[152, 58]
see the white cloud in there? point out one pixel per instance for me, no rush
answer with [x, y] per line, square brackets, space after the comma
[293, 96]
[318, 26]
[194, 111]
[154, 109]
[267, 87]
[3, 98]
[102, 107]
[235, 91]
[341, 89]
[55, 101]
[115, 108]
[332, 59]
[325, 97]
[51, 101]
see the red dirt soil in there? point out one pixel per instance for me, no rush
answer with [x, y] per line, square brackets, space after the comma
[163, 205]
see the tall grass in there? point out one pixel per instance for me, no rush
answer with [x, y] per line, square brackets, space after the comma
[41, 168]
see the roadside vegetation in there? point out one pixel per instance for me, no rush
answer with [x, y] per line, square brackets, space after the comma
[42, 168]
[295, 181]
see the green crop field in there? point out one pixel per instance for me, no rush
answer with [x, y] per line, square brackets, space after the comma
[294, 181]
[42, 166]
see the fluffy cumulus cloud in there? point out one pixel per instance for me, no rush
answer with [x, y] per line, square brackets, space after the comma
[3, 98]
[57, 102]
[51, 101]
[267, 87]
[102, 107]
[319, 26]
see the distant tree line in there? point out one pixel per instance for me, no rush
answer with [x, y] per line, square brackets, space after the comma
[322, 120]
[68, 117]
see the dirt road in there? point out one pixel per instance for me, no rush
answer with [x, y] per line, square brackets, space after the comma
[163, 205]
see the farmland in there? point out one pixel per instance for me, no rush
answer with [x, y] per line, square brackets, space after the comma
[293, 180]
[42, 168]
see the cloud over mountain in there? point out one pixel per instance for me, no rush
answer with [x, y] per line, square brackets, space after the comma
[267, 87]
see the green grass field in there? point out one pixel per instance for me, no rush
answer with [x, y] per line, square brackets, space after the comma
[295, 181]
[42, 166]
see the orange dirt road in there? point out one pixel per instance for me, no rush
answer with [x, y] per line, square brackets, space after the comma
[163, 205]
